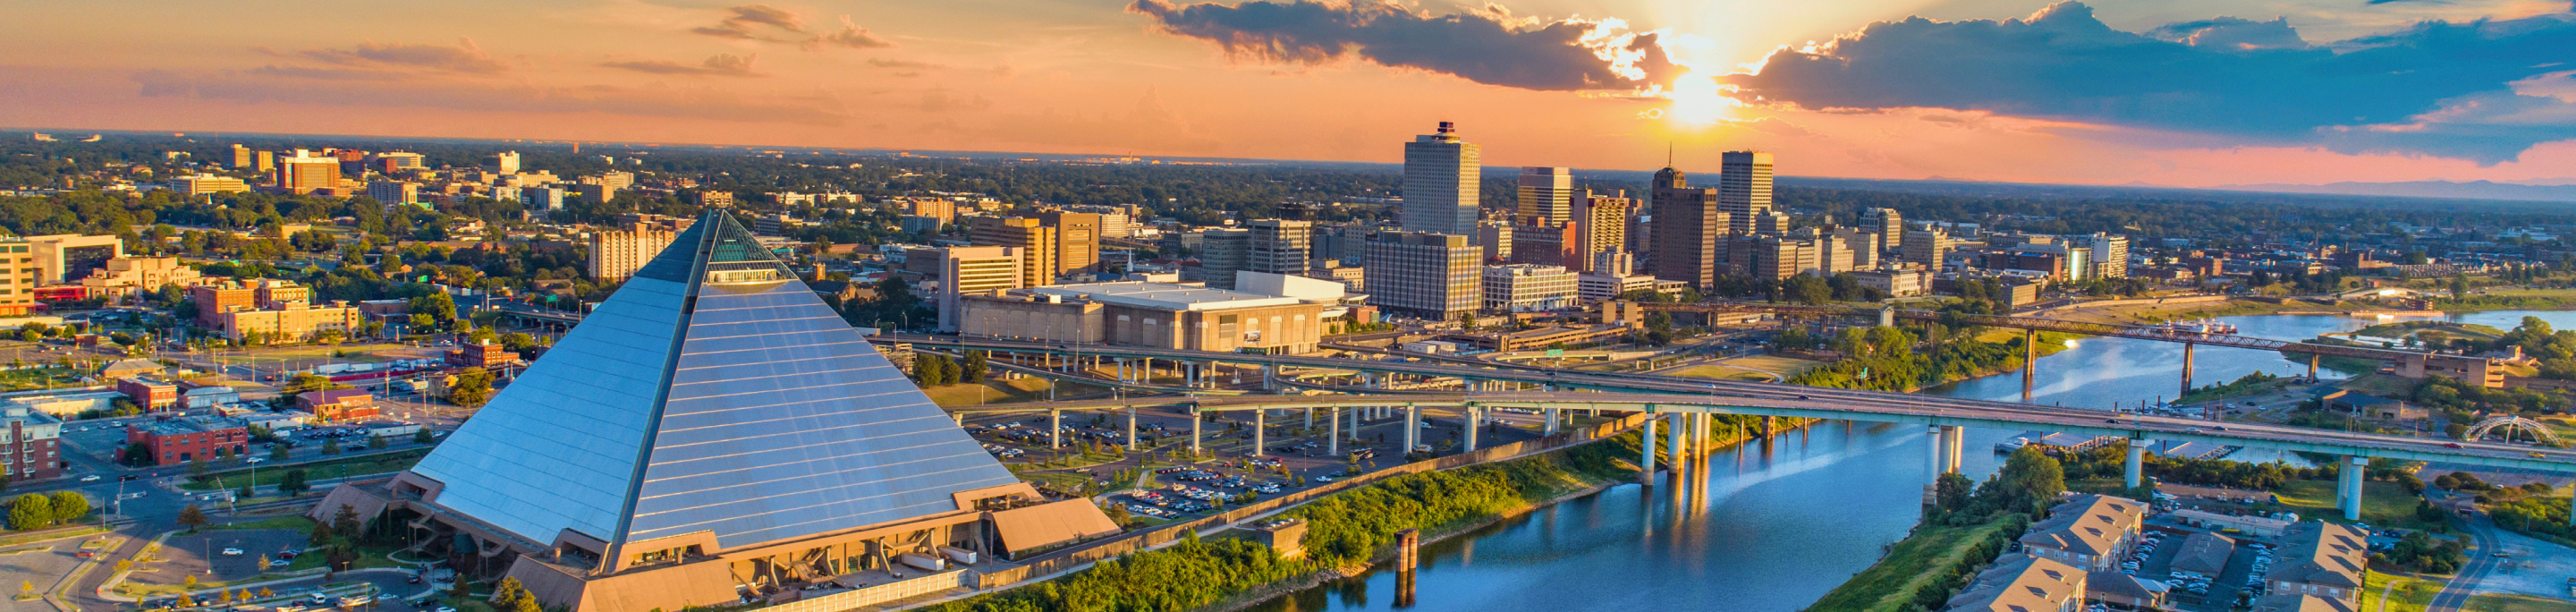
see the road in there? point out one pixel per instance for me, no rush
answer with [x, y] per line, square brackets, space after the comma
[2482, 561]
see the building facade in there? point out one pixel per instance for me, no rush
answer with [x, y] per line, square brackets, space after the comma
[969, 271]
[1441, 177]
[1034, 238]
[2321, 559]
[179, 440]
[1434, 276]
[1546, 195]
[1529, 288]
[337, 404]
[33, 448]
[1689, 231]
[616, 254]
[1155, 315]
[1277, 246]
[1744, 189]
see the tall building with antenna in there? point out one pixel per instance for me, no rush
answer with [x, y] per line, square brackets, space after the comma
[1440, 179]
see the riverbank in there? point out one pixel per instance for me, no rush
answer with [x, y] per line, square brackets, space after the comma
[1890, 361]
[1922, 559]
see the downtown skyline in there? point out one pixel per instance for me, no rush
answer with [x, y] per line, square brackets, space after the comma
[2184, 94]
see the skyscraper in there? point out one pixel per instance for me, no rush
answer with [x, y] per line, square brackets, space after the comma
[1744, 189]
[307, 173]
[1279, 246]
[506, 162]
[241, 156]
[972, 270]
[1546, 194]
[1689, 227]
[2110, 255]
[1927, 245]
[1077, 239]
[618, 253]
[1440, 177]
[1223, 252]
[1887, 223]
[1605, 225]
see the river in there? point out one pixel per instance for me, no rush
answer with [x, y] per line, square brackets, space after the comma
[1771, 527]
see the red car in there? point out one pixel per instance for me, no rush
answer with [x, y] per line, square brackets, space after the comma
[2450, 445]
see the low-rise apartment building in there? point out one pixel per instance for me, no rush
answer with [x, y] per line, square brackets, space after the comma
[2091, 532]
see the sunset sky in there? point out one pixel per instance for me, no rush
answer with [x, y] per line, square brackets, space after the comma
[2166, 92]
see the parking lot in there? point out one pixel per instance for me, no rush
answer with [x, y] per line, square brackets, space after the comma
[41, 564]
[232, 554]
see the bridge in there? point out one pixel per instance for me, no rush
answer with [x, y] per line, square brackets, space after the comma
[2411, 364]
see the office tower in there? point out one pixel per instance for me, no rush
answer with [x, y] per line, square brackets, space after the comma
[266, 161]
[1926, 245]
[2110, 255]
[971, 271]
[722, 413]
[1546, 194]
[1613, 263]
[939, 208]
[1863, 246]
[1440, 180]
[1773, 222]
[1887, 223]
[1744, 189]
[1604, 221]
[308, 173]
[1344, 242]
[1495, 238]
[1279, 246]
[1077, 240]
[1433, 276]
[394, 192]
[241, 156]
[1689, 228]
[1223, 252]
[617, 253]
[1036, 241]
[1775, 257]
[504, 163]
[1548, 245]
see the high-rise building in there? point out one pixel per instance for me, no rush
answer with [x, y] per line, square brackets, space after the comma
[1776, 257]
[18, 280]
[2110, 255]
[1546, 194]
[241, 156]
[976, 270]
[1279, 246]
[1549, 245]
[1744, 189]
[1861, 245]
[542, 198]
[394, 192]
[1223, 252]
[1887, 223]
[594, 192]
[1434, 276]
[504, 163]
[1528, 288]
[203, 184]
[713, 418]
[1926, 245]
[1035, 239]
[308, 173]
[1772, 222]
[617, 253]
[266, 161]
[1344, 242]
[1077, 240]
[1689, 228]
[1604, 221]
[66, 258]
[1495, 238]
[397, 162]
[1441, 174]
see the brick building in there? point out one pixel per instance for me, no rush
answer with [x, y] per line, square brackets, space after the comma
[337, 404]
[152, 393]
[480, 356]
[178, 440]
[32, 449]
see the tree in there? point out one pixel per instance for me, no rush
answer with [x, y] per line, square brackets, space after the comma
[377, 442]
[974, 369]
[472, 389]
[423, 436]
[32, 511]
[345, 522]
[277, 453]
[70, 506]
[2028, 481]
[192, 518]
[264, 563]
[512, 596]
[331, 447]
[137, 454]
[293, 482]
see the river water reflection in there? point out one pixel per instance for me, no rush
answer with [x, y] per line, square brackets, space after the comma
[1771, 527]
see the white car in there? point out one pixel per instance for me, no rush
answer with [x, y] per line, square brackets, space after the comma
[232, 552]
[254, 460]
[89, 478]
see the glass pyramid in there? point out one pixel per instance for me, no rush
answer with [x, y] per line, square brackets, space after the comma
[713, 392]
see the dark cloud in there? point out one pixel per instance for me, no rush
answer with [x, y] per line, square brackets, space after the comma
[723, 64]
[850, 35]
[1488, 46]
[2221, 76]
[746, 20]
[465, 57]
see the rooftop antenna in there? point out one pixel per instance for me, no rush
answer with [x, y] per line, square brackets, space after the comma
[1668, 153]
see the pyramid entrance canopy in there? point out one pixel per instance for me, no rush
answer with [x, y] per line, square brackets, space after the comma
[713, 392]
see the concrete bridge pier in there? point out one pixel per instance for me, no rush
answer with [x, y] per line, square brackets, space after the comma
[2312, 375]
[1475, 421]
[1131, 428]
[1552, 419]
[2137, 472]
[1646, 460]
[1260, 421]
[1334, 446]
[1412, 427]
[1679, 439]
[1196, 420]
[2348, 486]
[1887, 316]
[2186, 370]
[1356, 413]
[2029, 362]
[1953, 438]
[1310, 418]
[1055, 429]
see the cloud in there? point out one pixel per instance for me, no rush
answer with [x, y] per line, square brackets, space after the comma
[850, 35]
[327, 74]
[465, 58]
[661, 101]
[723, 64]
[2222, 76]
[747, 19]
[1486, 46]
[905, 64]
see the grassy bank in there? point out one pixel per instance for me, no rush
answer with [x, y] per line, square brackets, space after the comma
[2514, 602]
[2404, 593]
[1343, 529]
[1914, 564]
[2383, 503]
